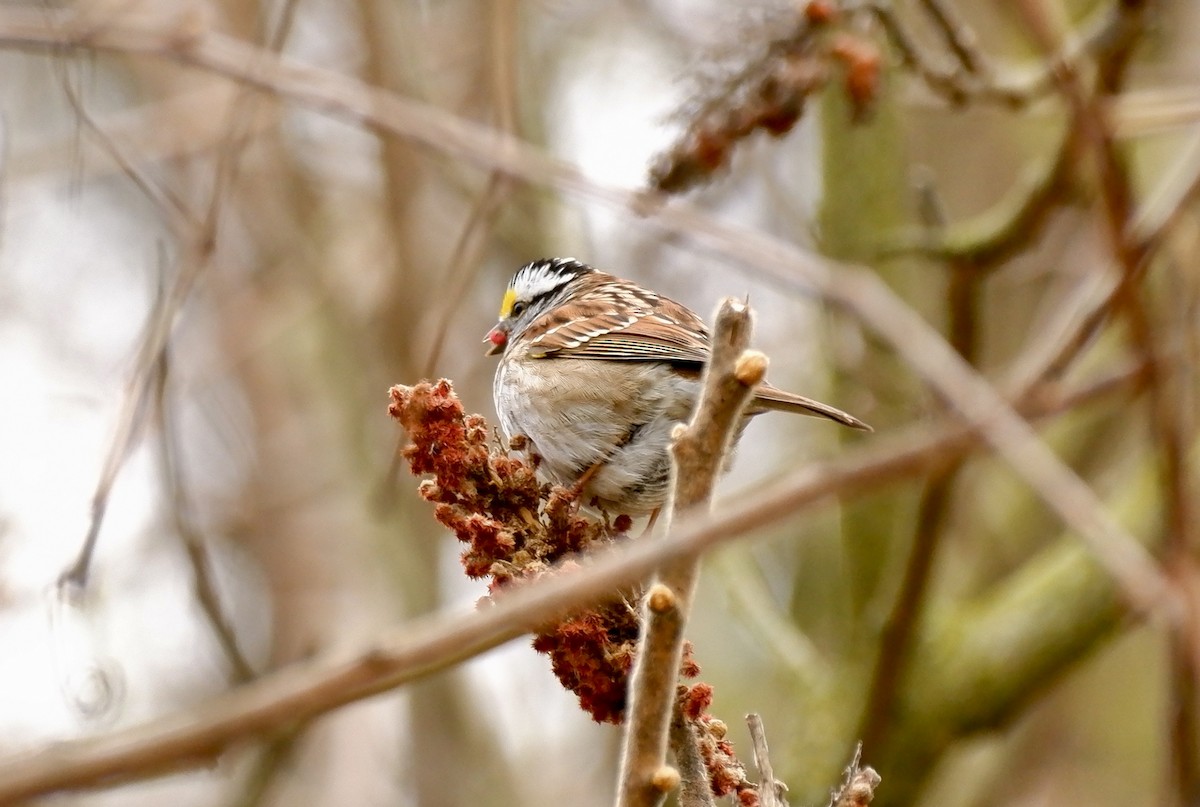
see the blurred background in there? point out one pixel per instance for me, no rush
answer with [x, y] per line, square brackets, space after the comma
[206, 291]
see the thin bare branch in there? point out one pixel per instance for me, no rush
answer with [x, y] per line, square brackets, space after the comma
[204, 584]
[466, 259]
[136, 402]
[954, 85]
[131, 422]
[958, 36]
[695, 790]
[858, 784]
[698, 454]
[770, 790]
[896, 639]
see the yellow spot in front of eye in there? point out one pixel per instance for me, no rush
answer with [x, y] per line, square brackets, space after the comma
[506, 305]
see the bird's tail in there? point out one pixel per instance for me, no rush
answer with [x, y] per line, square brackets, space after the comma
[773, 398]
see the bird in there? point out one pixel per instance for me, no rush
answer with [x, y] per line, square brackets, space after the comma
[594, 373]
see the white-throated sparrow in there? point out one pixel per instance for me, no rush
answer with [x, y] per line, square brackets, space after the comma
[596, 372]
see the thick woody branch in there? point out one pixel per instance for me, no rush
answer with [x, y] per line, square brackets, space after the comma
[699, 454]
[415, 650]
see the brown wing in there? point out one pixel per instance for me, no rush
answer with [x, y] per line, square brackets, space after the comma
[613, 320]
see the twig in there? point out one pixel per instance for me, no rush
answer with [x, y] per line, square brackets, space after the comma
[1176, 189]
[463, 267]
[1074, 323]
[692, 775]
[896, 638]
[425, 646]
[465, 261]
[130, 424]
[1009, 225]
[160, 195]
[466, 258]
[770, 790]
[858, 784]
[698, 455]
[979, 80]
[194, 545]
[959, 38]
[957, 87]
[162, 319]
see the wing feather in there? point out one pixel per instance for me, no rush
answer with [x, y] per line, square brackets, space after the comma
[613, 320]
[617, 322]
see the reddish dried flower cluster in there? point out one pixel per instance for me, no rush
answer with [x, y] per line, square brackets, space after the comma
[517, 529]
[863, 67]
[769, 94]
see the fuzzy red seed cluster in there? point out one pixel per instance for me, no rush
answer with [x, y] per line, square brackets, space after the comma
[517, 530]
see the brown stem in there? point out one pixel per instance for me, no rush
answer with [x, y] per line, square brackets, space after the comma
[698, 455]
[896, 639]
[194, 545]
[694, 787]
[770, 791]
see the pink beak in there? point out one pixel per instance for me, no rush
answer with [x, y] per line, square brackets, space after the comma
[498, 338]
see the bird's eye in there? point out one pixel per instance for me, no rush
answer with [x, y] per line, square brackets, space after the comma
[518, 309]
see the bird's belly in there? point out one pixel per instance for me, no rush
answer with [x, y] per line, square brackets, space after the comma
[578, 414]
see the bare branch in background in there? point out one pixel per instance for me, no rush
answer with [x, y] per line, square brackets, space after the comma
[463, 269]
[132, 420]
[962, 306]
[153, 347]
[199, 557]
[1168, 420]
